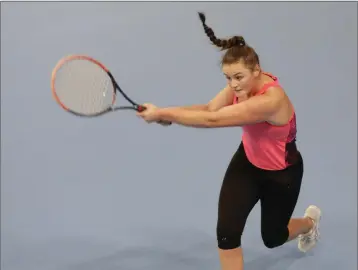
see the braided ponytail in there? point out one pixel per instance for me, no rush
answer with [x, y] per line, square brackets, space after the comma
[236, 47]
[224, 44]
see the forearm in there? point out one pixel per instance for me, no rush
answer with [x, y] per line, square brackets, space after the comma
[196, 107]
[186, 117]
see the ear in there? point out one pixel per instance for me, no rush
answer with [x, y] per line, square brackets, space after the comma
[257, 71]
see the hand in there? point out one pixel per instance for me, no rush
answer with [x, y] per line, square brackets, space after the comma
[150, 114]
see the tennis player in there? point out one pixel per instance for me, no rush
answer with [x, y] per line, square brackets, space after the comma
[266, 167]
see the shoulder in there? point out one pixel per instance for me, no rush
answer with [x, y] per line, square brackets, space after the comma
[275, 91]
[275, 94]
[282, 108]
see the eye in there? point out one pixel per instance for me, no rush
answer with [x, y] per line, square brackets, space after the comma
[239, 78]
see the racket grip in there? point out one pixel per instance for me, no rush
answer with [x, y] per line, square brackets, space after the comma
[141, 108]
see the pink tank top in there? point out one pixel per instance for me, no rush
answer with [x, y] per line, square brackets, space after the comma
[267, 146]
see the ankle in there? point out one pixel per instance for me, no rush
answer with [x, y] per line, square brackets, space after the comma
[310, 223]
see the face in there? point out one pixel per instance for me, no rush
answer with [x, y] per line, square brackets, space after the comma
[241, 79]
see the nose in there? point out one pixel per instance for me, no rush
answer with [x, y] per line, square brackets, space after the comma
[234, 83]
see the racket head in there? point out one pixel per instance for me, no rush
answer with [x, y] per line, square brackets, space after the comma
[81, 85]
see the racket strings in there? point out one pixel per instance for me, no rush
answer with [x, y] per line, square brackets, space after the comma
[84, 87]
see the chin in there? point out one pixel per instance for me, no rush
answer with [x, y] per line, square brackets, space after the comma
[243, 97]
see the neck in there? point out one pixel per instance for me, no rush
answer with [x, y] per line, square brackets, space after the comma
[260, 81]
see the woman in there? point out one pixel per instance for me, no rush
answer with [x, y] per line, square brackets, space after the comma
[267, 166]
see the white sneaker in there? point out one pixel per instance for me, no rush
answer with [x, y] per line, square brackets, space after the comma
[309, 240]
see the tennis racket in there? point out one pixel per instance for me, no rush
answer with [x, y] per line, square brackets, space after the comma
[84, 87]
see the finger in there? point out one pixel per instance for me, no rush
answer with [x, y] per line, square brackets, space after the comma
[141, 114]
[164, 123]
[145, 106]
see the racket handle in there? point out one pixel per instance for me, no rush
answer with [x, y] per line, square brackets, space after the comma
[141, 108]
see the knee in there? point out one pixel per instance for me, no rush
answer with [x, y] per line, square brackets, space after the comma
[271, 242]
[228, 239]
[274, 238]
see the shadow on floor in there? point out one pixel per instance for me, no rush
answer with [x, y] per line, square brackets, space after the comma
[174, 253]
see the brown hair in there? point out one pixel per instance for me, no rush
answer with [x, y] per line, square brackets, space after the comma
[236, 47]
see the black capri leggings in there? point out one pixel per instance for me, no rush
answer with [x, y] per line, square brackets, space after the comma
[243, 186]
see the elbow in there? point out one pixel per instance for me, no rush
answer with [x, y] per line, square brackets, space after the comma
[212, 121]
[207, 108]
[215, 121]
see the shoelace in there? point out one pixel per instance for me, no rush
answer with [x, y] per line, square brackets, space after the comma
[308, 238]
[312, 235]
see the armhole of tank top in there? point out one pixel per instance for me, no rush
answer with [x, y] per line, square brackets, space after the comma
[288, 122]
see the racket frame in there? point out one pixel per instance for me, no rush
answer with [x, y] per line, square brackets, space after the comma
[135, 106]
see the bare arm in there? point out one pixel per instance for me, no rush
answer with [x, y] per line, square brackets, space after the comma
[256, 109]
[196, 107]
[223, 98]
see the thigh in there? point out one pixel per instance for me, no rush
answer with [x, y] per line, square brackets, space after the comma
[279, 193]
[238, 195]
